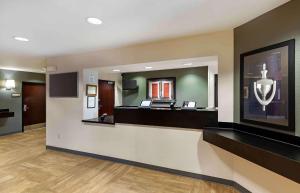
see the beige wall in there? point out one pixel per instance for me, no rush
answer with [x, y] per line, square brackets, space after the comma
[22, 62]
[215, 44]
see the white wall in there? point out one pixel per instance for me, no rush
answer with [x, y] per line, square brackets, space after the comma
[90, 76]
[167, 147]
[212, 70]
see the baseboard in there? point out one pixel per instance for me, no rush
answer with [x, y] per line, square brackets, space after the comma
[240, 188]
[237, 186]
[10, 133]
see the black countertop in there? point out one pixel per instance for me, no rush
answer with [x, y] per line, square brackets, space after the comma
[182, 118]
[107, 120]
[167, 109]
[4, 113]
[277, 156]
[167, 117]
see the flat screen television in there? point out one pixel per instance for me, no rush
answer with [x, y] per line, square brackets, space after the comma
[129, 84]
[63, 85]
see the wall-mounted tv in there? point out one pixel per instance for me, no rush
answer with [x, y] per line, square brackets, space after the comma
[63, 85]
[129, 84]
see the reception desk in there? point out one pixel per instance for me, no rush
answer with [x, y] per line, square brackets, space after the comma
[196, 119]
[5, 113]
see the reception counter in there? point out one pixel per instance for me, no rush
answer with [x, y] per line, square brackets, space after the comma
[196, 119]
[277, 152]
[105, 120]
[5, 113]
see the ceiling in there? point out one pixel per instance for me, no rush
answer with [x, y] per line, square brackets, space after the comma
[57, 27]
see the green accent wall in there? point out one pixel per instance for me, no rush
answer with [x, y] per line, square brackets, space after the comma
[191, 85]
[276, 26]
[14, 124]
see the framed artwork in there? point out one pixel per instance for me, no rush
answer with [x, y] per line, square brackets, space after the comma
[91, 102]
[91, 90]
[161, 89]
[267, 89]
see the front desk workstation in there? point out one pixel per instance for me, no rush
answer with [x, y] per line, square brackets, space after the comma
[167, 98]
[169, 124]
[167, 117]
[275, 151]
[4, 113]
[157, 122]
[195, 119]
[106, 119]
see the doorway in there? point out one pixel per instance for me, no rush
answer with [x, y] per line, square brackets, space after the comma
[33, 105]
[106, 100]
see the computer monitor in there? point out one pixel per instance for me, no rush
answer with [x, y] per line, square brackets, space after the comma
[189, 104]
[146, 103]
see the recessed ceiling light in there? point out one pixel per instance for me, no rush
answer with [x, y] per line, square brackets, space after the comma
[116, 70]
[22, 39]
[148, 67]
[188, 64]
[94, 20]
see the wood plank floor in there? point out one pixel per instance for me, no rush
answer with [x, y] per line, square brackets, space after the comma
[27, 167]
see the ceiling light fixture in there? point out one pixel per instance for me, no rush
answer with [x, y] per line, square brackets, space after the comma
[22, 39]
[94, 21]
[116, 70]
[188, 64]
[148, 67]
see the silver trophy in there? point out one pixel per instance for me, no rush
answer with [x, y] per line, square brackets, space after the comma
[264, 86]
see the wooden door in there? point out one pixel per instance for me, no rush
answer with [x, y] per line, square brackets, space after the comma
[106, 93]
[34, 103]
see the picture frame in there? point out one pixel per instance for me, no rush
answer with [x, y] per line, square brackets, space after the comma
[91, 90]
[267, 86]
[91, 102]
[161, 89]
